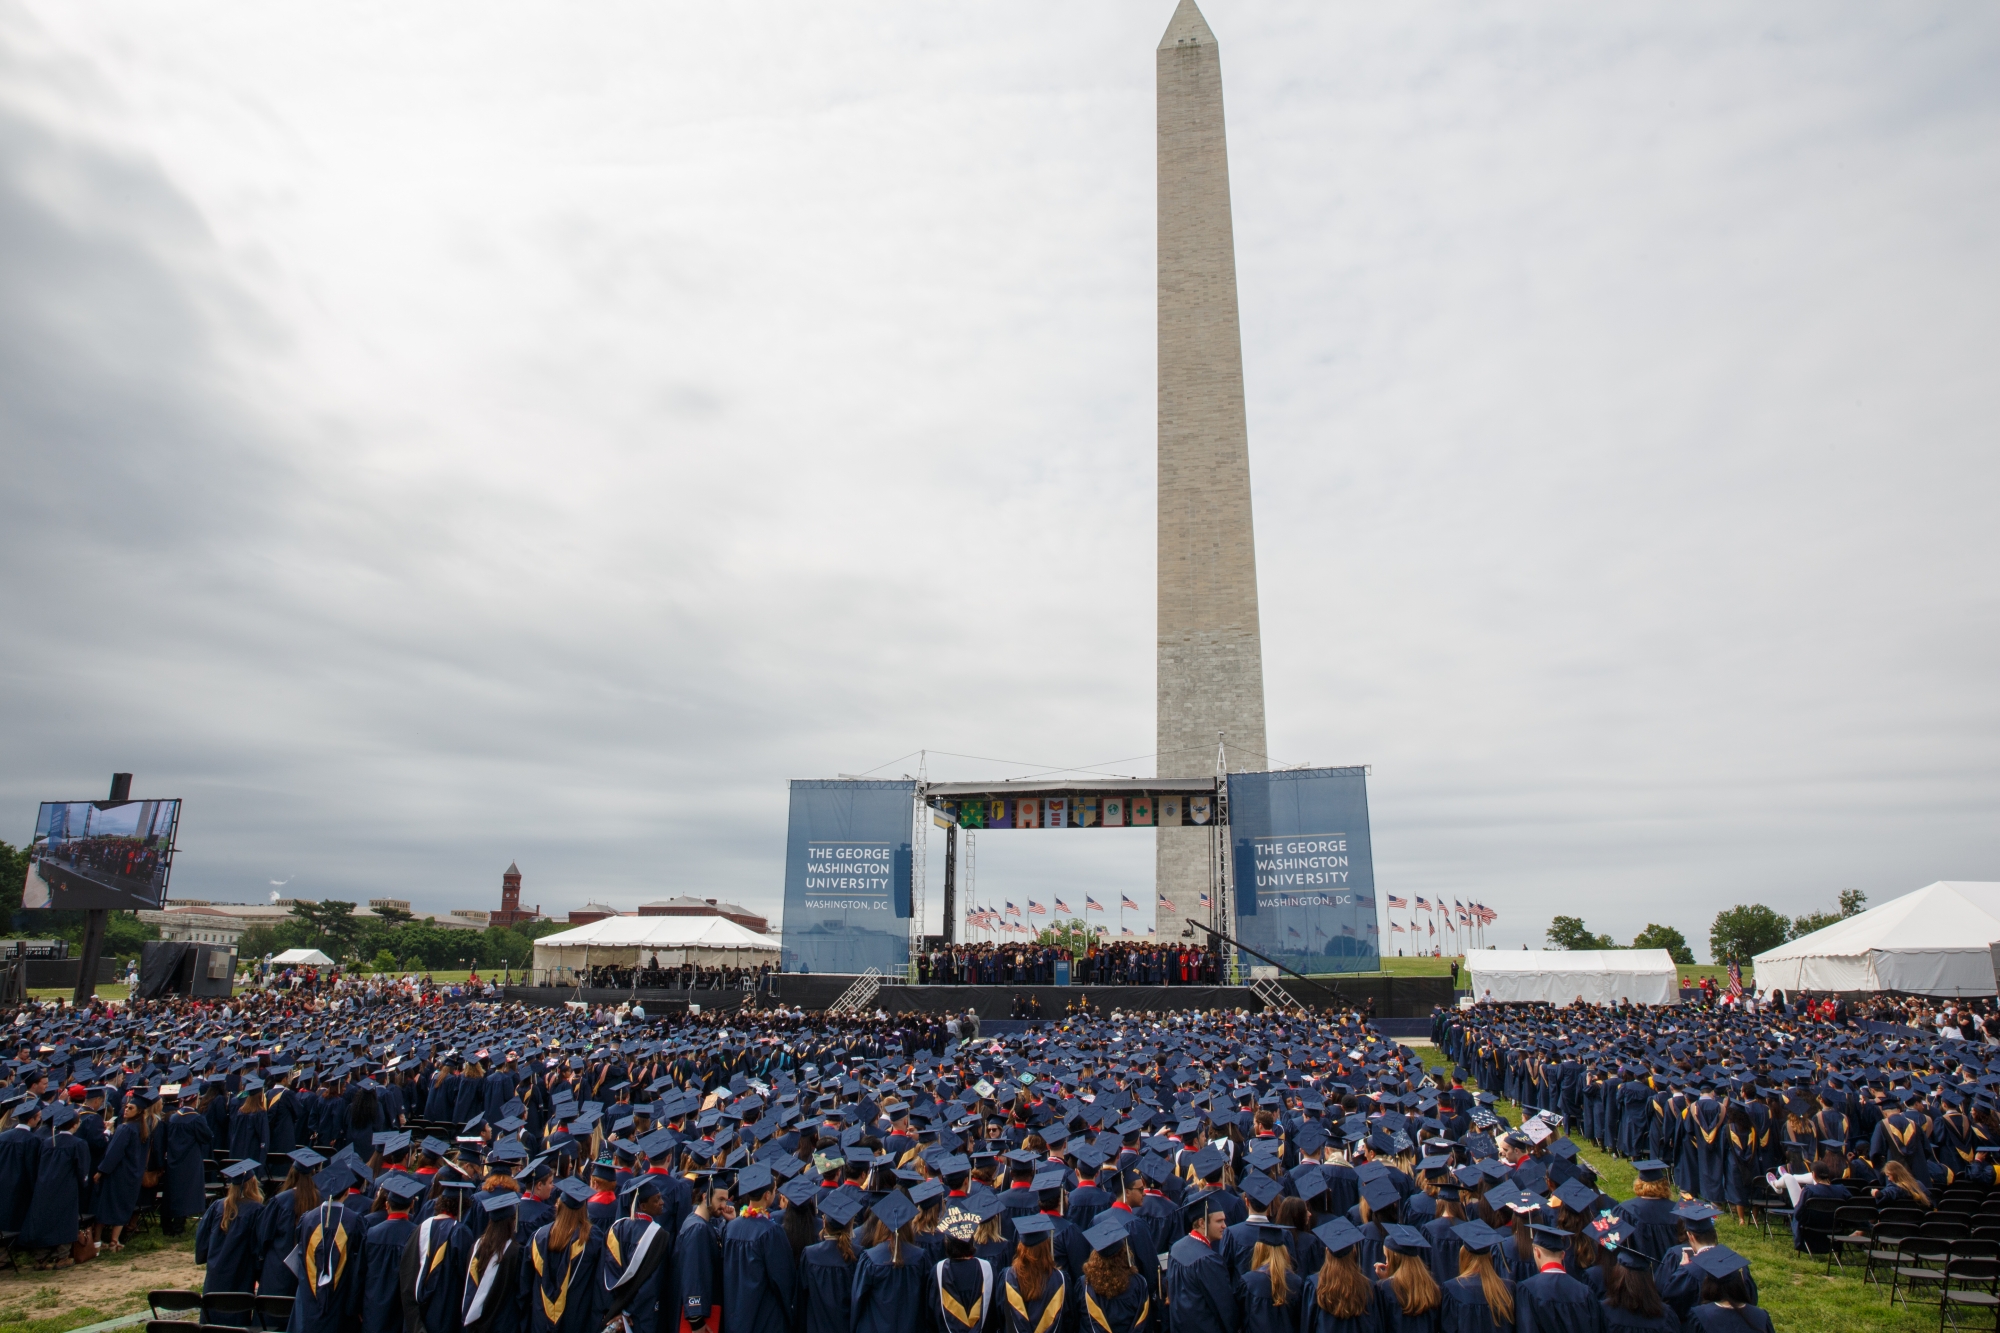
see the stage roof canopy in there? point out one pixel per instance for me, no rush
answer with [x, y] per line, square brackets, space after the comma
[1559, 976]
[1000, 791]
[1935, 941]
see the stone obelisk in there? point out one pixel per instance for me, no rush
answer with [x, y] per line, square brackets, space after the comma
[1211, 663]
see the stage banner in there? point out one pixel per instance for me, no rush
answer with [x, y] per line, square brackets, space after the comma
[848, 876]
[1304, 872]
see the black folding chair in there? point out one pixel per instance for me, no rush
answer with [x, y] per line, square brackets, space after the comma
[1813, 1225]
[235, 1307]
[171, 1302]
[274, 1312]
[1852, 1225]
[1898, 1212]
[1969, 1284]
[1920, 1261]
[172, 1326]
[1883, 1239]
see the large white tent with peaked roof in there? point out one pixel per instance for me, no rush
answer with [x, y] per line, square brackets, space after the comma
[1935, 941]
[1561, 976]
[633, 941]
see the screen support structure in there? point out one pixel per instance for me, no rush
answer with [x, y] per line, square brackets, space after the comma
[100, 917]
[951, 883]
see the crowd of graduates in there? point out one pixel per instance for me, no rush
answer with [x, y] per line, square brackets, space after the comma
[486, 1167]
[1099, 965]
[686, 976]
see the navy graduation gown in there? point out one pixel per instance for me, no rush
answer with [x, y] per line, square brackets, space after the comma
[1444, 1249]
[382, 1274]
[20, 1161]
[1263, 1315]
[1312, 1319]
[1679, 1284]
[281, 1116]
[185, 1139]
[328, 1297]
[1720, 1319]
[631, 1271]
[696, 1287]
[122, 1167]
[756, 1276]
[1554, 1302]
[250, 1136]
[1624, 1321]
[230, 1257]
[561, 1284]
[1466, 1310]
[431, 1277]
[1201, 1296]
[962, 1296]
[62, 1183]
[825, 1288]
[494, 1297]
[277, 1237]
[887, 1298]
[1394, 1320]
[1045, 1315]
[1652, 1220]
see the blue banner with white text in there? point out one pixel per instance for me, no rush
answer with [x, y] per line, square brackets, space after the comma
[848, 876]
[1303, 869]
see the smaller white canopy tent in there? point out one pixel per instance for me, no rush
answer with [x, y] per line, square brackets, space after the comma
[633, 941]
[1559, 976]
[1934, 941]
[301, 958]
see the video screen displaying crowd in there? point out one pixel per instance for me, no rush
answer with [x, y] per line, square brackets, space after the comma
[1100, 965]
[392, 1165]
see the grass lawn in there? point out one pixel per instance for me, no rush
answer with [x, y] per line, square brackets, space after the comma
[105, 1288]
[1793, 1288]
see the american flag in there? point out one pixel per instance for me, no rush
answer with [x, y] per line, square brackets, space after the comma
[1434, 927]
[1395, 929]
[1012, 910]
[1394, 901]
[1125, 930]
[1736, 979]
[1166, 903]
[1091, 904]
[1125, 900]
[1347, 930]
[1063, 907]
[1423, 904]
[1292, 932]
[1036, 909]
[1204, 898]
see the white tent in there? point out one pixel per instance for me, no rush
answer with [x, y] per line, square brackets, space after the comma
[1559, 976]
[633, 941]
[301, 958]
[1931, 942]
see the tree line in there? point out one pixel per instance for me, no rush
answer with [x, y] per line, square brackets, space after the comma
[1737, 935]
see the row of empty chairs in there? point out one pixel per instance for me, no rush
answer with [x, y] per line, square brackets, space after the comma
[1947, 1255]
[177, 1311]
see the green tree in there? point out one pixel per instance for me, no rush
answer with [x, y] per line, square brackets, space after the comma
[1851, 901]
[1665, 937]
[1569, 932]
[1072, 935]
[1741, 933]
[335, 929]
[385, 961]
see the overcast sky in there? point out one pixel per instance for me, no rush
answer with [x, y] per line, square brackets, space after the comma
[450, 434]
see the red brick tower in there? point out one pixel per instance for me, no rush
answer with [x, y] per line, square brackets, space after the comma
[510, 898]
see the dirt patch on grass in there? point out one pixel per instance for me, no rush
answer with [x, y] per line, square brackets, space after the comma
[111, 1285]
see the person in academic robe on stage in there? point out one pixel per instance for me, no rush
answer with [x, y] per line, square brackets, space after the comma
[757, 1267]
[825, 1288]
[696, 1290]
[631, 1271]
[494, 1295]
[1404, 1287]
[562, 1259]
[185, 1139]
[963, 1286]
[115, 1187]
[431, 1276]
[1479, 1299]
[328, 1297]
[1339, 1298]
[1552, 1301]
[250, 1125]
[1035, 1290]
[62, 1182]
[1271, 1290]
[891, 1280]
[382, 1249]
[226, 1240]
[281, 1221]
[1202, 1294]
[1632, 1303]
[1726, 1302]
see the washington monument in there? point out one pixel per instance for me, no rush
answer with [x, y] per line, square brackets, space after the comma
[1211, 661]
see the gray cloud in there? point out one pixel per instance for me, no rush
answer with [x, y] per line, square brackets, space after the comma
[542, 444]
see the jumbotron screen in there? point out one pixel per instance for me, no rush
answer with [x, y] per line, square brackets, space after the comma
[90, 854]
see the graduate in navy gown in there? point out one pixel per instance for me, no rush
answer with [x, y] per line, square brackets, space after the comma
[494, 1296]
[963, 1287]
[1552, 1301]
[1479, 1299]
[825, 1286]
[757, 1267]
[278, 1226]
[1726, 1304]
[328, 1297]
[20, 1162]
[431, 1276]
[1631, 1301]
[1272, 1292]
[250, 1125]
[695, 1290]
[562, 1259]
[226, 1241]
[637, 1253]
[1035, 1290]
[382, 1254]
[1339, 1298]
[115, 1187]
[1676, 1275]
[1120, 1287]
[1650, 1212]
[62, 1183]
[185, 1138]
[1405, 1289]
[891, 1280]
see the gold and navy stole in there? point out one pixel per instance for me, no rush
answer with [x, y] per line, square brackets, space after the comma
[1097, 1314]
[1050, 1311]
[431, 1246]
[1827, 1131]
[330, 1214]
[1960, 1131]
[957, 1314]
[538, 1251]
[1901, 1136]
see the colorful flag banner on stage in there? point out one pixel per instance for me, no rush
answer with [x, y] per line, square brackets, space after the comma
[1055, 812]
[1091, 904]
[1027, 814]
[1114, 812]
[1199, 808]
[1170, 810]
[1142, 811]
[1085, 811]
